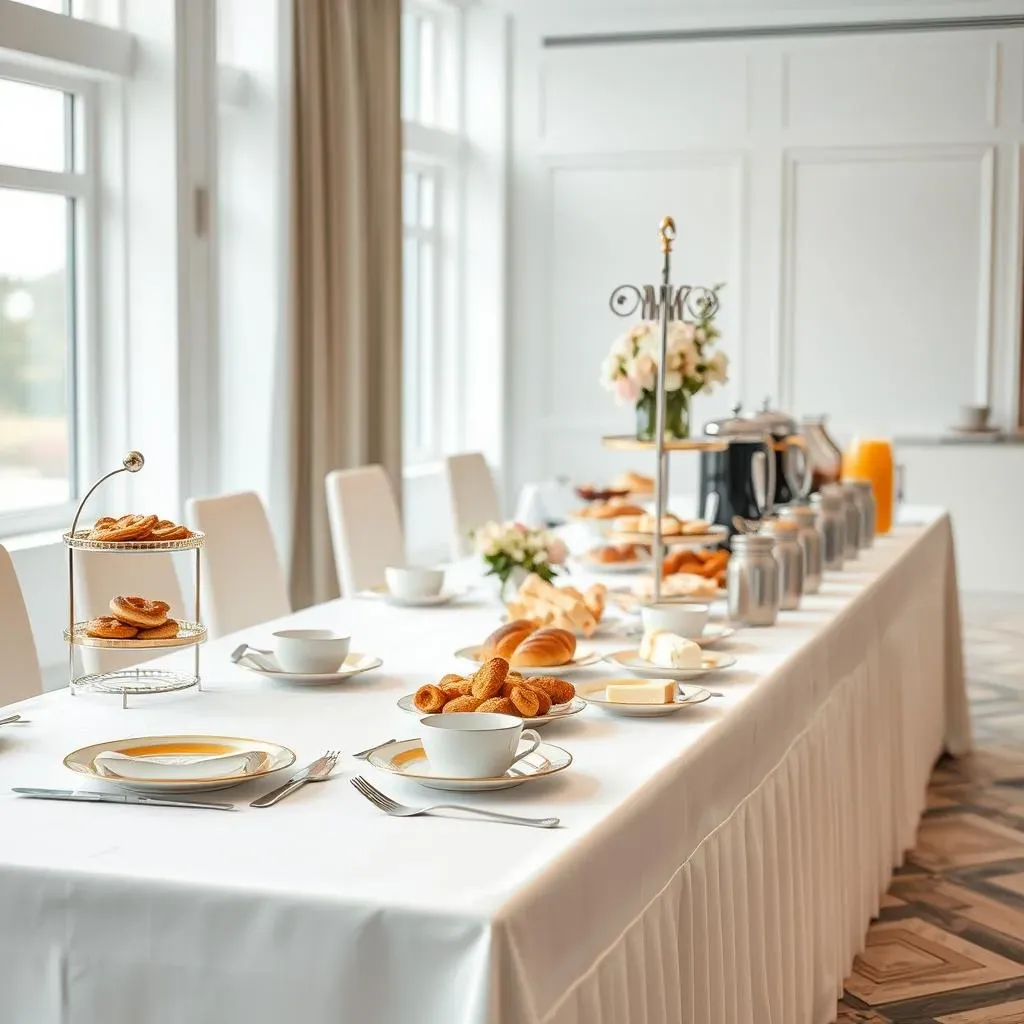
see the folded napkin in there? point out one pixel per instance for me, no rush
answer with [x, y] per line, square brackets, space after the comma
[179, 766]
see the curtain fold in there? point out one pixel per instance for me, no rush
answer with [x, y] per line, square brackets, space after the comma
[345, 334]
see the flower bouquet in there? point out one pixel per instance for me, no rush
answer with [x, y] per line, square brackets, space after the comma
[630, 370]
[512, 551]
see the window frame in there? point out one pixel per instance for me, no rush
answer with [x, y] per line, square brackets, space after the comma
[440, 150]
[82, 185]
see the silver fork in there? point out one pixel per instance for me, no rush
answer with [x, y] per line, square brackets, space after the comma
[397, 810]
[318, 771]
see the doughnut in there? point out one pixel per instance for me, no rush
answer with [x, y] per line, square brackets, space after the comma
[137, 611]
[487, 679]
[558, 690]
[429, 699]
[125, 528]
[106, 627]
[498, 706]
[465, 703]
[525, 701]
[162, 632]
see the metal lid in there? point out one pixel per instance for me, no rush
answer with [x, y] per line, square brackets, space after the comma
[783, 527]
[829, 500]
[753, 541]
[736, 427]
[802, 514]
[779, 424]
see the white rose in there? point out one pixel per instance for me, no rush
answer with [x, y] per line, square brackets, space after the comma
[716, 370]
[673, 381]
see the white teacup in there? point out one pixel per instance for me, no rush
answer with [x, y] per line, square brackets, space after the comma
[413, 581]
[687, 620]
[310, 651]
[974, 417]
[471, 745]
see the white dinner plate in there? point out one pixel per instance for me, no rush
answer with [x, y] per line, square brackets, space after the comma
[407, 759]
[583, 658]
[686, 696]
[714, 535]
[275, 757]
[557, 712]
[353, 665]
[632, 662]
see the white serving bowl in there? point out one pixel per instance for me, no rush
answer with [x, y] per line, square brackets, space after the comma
[310, 651]
[413, 581]
[686, 620]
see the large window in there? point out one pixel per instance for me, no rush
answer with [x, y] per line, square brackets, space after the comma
[46, 189]
[431, 206]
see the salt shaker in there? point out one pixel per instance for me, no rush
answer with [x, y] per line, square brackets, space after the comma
[831, 515]
[790, 556]
[866, 500]
[810, 541]
[752, 580]
[851, 504]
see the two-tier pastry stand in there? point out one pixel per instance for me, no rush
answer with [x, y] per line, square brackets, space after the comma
[132, 681]
[669, 303]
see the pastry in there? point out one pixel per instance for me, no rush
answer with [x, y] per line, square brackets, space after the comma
[488, 679]
[544, 604]
[164, 631]
[505, 639]
[560, 691]
[611, 509]
[629, 524]
[125, 528]
[546, 647]
[695, 527]
[543, 700]
[498, 706]
[137, 611]
[636, 483]
[594, 598]
[106, 627]
[525, 701]
[166, 530]
[456, 686]
[667, 650]
[465, 703]
[680, 584]
[429, 699]
[670, 525]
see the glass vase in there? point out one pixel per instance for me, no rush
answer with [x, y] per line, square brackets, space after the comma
[677, 416]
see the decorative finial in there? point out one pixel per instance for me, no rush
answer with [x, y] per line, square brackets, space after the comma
[133, 462]
[667, 233]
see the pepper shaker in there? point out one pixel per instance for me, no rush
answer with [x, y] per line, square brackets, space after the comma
[752, 580]
[790, 556]
[831, 517]
[810, 541]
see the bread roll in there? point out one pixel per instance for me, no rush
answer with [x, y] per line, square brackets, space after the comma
[505, 639]
[545, 648]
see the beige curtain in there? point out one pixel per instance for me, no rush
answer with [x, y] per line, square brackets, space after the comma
[346, 263]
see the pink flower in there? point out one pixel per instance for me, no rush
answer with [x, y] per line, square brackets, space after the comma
[626, 391]
[522, 528]
[557, 551]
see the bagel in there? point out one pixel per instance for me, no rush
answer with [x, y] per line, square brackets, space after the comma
[106, 627]
[137, 611]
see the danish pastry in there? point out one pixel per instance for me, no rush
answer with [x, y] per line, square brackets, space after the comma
[137, 611]
[106, 627]
[164, 631]
[125, 528]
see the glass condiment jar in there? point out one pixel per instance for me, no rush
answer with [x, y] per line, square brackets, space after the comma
[790, 556]
[811, 541]
[830, 510]
[852, 504]
[866, 501]
[752, 580]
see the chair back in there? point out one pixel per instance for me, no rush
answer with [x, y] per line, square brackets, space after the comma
[474, 498]
[19, 676]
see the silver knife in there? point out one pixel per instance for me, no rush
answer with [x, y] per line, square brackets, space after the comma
[115, 798]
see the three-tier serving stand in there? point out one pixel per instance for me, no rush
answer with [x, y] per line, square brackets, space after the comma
[664, 303]
[137, 680]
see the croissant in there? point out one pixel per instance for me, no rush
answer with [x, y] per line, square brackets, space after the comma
[545, 648]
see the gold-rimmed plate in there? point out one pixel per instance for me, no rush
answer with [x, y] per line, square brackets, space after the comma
[632, 662]
[686, 697]
[557, 713]
[269, 758]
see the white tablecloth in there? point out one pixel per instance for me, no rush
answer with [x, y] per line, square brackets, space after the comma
[717, 866]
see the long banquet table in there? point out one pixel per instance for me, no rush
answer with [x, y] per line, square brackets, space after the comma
[717, 866]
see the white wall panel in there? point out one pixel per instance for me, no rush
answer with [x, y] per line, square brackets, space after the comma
[888, 291]
[934, 86]
[643, 96]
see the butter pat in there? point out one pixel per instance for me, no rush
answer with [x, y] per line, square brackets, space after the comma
[654, 692]
[667, 650]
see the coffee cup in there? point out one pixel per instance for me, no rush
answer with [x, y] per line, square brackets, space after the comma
[474, 745]
[310, 651]
[974, 417]
[411, 582]
[687, 620]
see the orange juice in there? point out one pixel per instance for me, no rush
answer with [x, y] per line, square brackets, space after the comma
[871, 459]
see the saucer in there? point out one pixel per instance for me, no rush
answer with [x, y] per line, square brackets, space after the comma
[686, 696]
[429, 601]
[274, 758]
[557, 712]
[632, 661]
[583, 658]
[714, 633]
[406, 759]
[354, 664]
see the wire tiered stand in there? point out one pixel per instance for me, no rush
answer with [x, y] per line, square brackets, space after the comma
[664, 304]
[131, 681]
